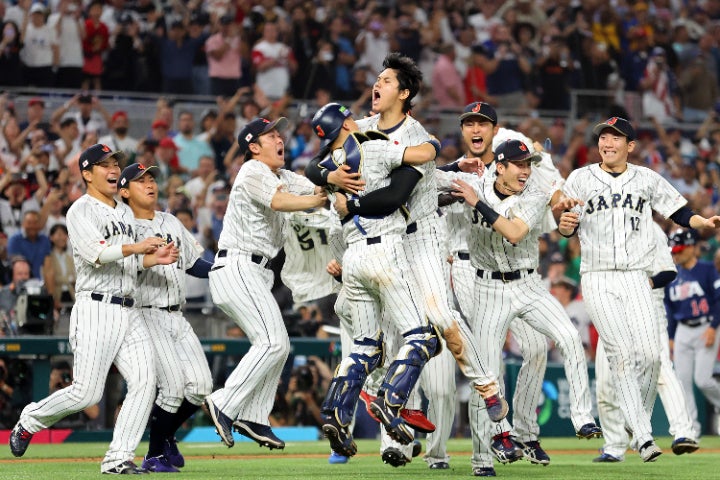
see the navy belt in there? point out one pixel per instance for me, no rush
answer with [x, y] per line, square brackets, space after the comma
[122, 301]
[505, 276]
[695, 322]
[463, 255]
[255, 258]
[373, 240]
[171, 308]
[412, 228]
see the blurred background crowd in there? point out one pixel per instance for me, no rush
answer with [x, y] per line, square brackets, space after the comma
[172, 82]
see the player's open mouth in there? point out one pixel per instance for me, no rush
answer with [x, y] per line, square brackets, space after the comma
[112, 180]
[281, 152]
[477, 142]
[376, 95]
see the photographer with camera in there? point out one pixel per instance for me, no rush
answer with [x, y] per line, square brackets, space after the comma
[61, 377]
[25, 306]
[305, 390]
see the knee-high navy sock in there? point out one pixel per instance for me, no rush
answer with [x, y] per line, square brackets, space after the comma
[185, 411]
[161, 422]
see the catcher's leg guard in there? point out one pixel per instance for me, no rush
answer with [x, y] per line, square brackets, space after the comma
[349, 378]
[421, 344]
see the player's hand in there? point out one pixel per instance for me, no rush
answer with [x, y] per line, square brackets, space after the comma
[713, 222]
[472, 165]
[464, 190]
[167, 254]
[320, 198]
[566, 203]
[350, 182]
[568, 222]
[341, 205]
[709, 336]
[334, 268]
[149, 245]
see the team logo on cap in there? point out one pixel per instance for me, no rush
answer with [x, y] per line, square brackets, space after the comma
[123, 182]
[320, 131]
[477, 107]
[265, 120]
[612, 121]
[248, 137]
[523, 147]
[141, 166]
[105, 148]
[501, 156]
[85, 163]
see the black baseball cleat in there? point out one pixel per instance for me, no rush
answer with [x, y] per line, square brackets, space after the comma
[393, 456]
[649, 451]
[125, 468]
[588, 431]
[497, 407]
[172, 452]
[484, 472]
[223, 423]
[440, 466]
[394, 424]
[505, 448]
[19, 440]
[341, 440]
[417, 448]
[684, 445]
[262, 434]
[534, 453]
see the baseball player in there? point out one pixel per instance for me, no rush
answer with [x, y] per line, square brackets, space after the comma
[105, 325]
[375, 279]
[503, 249]
[183, 373]
[240, 281]
[393, 92]
[480, 134]
[692, 302]
[616, 240]
[669, 387]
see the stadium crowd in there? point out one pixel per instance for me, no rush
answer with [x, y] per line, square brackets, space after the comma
[658, 63]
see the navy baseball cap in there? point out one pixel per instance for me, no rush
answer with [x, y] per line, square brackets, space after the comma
[328, 121]
[97, 154]
[682, 239]
[619, 124]
[515, 151]
[479, 109]
[135, 171]
[257, 127]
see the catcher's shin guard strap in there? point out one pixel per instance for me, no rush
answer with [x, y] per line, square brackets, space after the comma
[341, 399]
[403, 373]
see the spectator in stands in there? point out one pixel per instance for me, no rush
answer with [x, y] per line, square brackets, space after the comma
[222, 139]
[165, 112]
[95, 43]
[448, 91]
[35, 114]
[40, 53]
[58, 268]
[565, 290]
[55, 204]
[30, 243]
[17, 12]
[660, 98]
[14, 141]
[305, 36]
[69, 142]
[554, 70]
[199, 187]
[407, 38]
[10, 46]
[87, 110]
[224, 50]
[69, 27]
[273, 62]
[210, 217]
[505, 69]
[200, 75]
[125, 65]
[373, 43]
[698, 86]
[177, 51]
[198, 289]
[158, 130]
[119, 138]
[190, 148]
[15, 202]
[345, 58]
[20, 273]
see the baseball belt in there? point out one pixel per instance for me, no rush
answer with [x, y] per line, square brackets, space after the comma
[505, 276]
[695, 322]
[122, 301]
[463, 255]
[171, 308]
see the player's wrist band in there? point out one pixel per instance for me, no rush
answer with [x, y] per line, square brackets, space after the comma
[487, 212]
[569, 235]
[436, 145]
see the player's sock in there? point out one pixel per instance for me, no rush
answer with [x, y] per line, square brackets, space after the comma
[161, 422]
[185, 411]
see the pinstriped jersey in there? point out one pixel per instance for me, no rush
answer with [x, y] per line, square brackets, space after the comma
[307, 253]
[379, 158]
[615, 227]
[423, 199]
[164, 285]
[250, 224]
[93, 226]
[457, 220]
[662, 262]
[491, 251]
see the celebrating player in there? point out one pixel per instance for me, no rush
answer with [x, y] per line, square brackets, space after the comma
[105, 325]
[183, 374]
[616, 241]
[240, 281]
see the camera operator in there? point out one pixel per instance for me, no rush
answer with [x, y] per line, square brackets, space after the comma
[61, 377]
[25, 306]
[305, 392]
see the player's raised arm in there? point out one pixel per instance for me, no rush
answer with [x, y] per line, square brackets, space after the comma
[283, 201]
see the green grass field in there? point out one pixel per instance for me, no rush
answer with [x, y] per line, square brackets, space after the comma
[571, 459]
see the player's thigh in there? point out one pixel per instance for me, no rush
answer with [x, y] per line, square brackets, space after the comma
[438, 376]
[463, 283]
[168, 368]
[194, 363]
[533, 344]
[429, 269]
[544, 313]
[136, 357]
[493, 311]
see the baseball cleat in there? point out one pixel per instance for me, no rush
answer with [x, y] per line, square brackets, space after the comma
[684, 445]
[341, 440]
[393, 456]
[534, 453]
[417, 420]
[223, 423]
[497, 407]
[606, 458]
[336, 459]
[440, 466]
[484, 472]
[172, 453]
[19, 440]
[649, 451]
[505, 448]
[262, 434]
[390, 418]
[417, 448]
[367, 399]
[159, 464]
[588, 431]
[125, 468]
